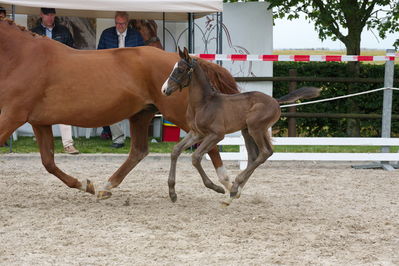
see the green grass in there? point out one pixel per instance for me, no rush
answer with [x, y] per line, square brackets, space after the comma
[92, 145]
[97, 145]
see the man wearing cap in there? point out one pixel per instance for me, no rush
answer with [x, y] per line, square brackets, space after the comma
[119, 36]
[53, 30]
[48, 27]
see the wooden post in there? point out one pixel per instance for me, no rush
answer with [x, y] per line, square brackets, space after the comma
[292, 121]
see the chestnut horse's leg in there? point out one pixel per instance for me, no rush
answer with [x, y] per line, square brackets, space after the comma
[8, 126]
[139, 124]
[44, 136]
[189, 140]
[208, 142]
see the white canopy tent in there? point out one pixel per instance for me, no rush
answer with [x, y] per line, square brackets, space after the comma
[166, 10]
[171, 10]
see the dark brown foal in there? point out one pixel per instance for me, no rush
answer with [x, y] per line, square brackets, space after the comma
[211, 115]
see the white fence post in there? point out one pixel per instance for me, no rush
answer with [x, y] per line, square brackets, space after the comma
[387, 105]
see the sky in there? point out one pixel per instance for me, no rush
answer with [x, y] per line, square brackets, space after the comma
[300, 33]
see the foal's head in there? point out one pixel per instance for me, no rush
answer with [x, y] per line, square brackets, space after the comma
[181, 74]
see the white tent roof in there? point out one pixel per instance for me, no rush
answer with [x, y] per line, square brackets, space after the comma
[144, 9]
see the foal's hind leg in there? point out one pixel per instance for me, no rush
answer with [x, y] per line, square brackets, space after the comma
[250, 144]
[189, 140]
[207, 143]
[44, 136]
[252, 151]
[262, 140]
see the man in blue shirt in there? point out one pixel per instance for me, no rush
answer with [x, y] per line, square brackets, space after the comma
[119, 36]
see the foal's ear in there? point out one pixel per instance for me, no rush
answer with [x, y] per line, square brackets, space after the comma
[181, 54]
[186, 55]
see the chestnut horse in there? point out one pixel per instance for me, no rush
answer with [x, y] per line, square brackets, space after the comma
[44, 82]
[211, 115]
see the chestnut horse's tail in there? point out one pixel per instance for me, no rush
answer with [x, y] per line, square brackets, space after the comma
[301, 93]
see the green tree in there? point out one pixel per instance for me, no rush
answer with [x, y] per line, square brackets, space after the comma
[343, 20]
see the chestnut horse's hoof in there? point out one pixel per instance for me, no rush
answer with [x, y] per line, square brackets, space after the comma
[227, 202]
[104, 194]
[90, 187]
[87, 186]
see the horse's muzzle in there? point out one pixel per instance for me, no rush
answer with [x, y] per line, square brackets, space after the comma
[166, 91]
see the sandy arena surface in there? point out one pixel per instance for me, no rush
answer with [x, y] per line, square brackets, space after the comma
[290, 213]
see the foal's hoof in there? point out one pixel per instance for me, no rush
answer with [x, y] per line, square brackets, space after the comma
[173, 197]
[235, 191]
[102, 195]
[220, 190]
[234, 195]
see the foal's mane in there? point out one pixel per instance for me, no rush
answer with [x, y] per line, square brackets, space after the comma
[219, 77]
[21, 28]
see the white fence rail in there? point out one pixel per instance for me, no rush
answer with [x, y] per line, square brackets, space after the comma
[241, 156]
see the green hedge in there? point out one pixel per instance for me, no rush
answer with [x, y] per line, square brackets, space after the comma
[367, 104]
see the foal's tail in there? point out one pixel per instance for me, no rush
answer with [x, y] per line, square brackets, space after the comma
[301, 93]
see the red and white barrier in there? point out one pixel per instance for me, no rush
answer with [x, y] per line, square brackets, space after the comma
[294, 58]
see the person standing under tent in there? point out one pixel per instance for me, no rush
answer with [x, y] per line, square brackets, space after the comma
[50, 28]
[3, 12]
[119, 36]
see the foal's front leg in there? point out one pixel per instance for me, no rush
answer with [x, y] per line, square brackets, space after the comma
[189, 140]
[208, 142]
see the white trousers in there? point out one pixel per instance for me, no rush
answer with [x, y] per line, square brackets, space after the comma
[66, 135]
[117, 133]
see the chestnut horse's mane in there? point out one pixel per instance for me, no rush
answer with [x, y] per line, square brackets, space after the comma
[219, 77]
[22, 28]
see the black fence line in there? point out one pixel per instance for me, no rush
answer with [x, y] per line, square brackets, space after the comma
[334, 115]
[314, 79]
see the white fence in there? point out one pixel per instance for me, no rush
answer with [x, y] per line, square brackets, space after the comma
[241, 156]
[385, 141]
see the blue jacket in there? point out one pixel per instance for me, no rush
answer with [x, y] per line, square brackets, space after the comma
[109, 38]
[60, 33]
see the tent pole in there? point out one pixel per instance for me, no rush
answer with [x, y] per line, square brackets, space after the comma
[219, 35]
[13, 12]
[163, 30]
[190, 32]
